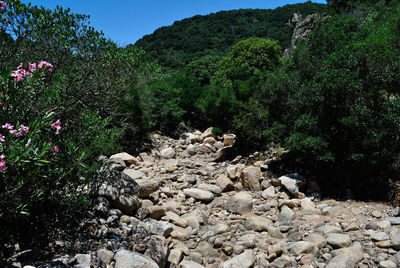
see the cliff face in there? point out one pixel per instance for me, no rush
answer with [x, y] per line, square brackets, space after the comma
[302, 29]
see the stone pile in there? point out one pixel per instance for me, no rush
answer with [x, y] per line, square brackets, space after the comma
[176, 207]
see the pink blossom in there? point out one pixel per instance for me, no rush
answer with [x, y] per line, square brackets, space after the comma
[8, 126]
[56, 125]
[20, 73]
[45, 64]
[32, 66]
[2, 138]
[2, 165]
[25, 129]
[55, 150]
[2, 157]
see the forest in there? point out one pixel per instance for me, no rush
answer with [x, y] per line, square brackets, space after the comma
[69, 95]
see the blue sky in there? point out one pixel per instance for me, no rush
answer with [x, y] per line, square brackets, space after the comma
[125, 21]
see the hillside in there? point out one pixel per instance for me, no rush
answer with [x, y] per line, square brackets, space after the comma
[214, 34]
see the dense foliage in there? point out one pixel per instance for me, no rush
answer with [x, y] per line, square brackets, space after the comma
[214, 34]
[67, 95]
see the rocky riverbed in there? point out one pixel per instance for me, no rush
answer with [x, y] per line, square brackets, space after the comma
[177, 207]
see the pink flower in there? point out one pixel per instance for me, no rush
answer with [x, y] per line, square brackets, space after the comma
[55, 150]
[3, 5]
[45, 64]
[57, 126]
[2, 138]
[8, 126]
[32, 66]
[25, 129]
[2, 163]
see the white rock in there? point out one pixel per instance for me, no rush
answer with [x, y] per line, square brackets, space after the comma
[168, 153]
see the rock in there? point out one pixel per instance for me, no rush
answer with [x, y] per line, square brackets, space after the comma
[199, 194]
[354, 253]
[81, 261]
[286, 216]
[190, 178]
[258, 223]
[342, 261]
[175, 219]
[380, 236]
[306, 203]
[387, 264]
[159, 227]
[175, 256]
[292, 182]
[207, 133]
[128, 259]
[118, 188]
[147, 187]
[301, 247]
[191, 149]
[146, 158]
[376, 213]
[338, 240]
[225, 183]
[134, 174]
[207, 250]
[396, 242]
[250, 178]
[394, 220]
[234, 171]
[269, 193]
[156, 212]
[179, 233]
[210, 188]
[167, 153]
[190, 138]
[127, 158]
[117, 163]
[190, 264]
[239, 203]
[244, 260]
[275, 232]
[105, 255]
[329, 229]
[209, 140]
[276, 249]
[157, 250]
[383, 224]
[229, 139]
[318, 240]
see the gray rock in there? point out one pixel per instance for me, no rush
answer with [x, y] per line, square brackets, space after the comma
[191, 149]
[387, 264]
[258, 223]
[199, 194]
[302, 247]
[210, 188]
[292, 182]
[384, 224]
[239, 203]
[175, 256]
[105, 255]
[159, 227]
[157, 249]
[394, 220]
[396, 241]
[338, 240]
[269, 193]
[244, 260]
[190, 264]
[167, 153]
[286, 216]
[207, 250]
[128, 259]
[354, 253]
[342, 261]
[380, 236]
[306, 203]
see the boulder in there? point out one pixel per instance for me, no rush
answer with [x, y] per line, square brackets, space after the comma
[225, 183]
[292, 182]
[250, 178]
[199, 194]
[239, 203]
[157, 249]
[286, 216]
[167, 153]
[207, 133]
[128, 259]
[127, 158]
[338, 240]
[229, 139]
[134, 174]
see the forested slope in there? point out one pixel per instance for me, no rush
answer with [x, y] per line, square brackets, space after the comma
[216, 33]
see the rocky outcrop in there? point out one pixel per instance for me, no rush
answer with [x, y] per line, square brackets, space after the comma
[176, 207]
[302, 29]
